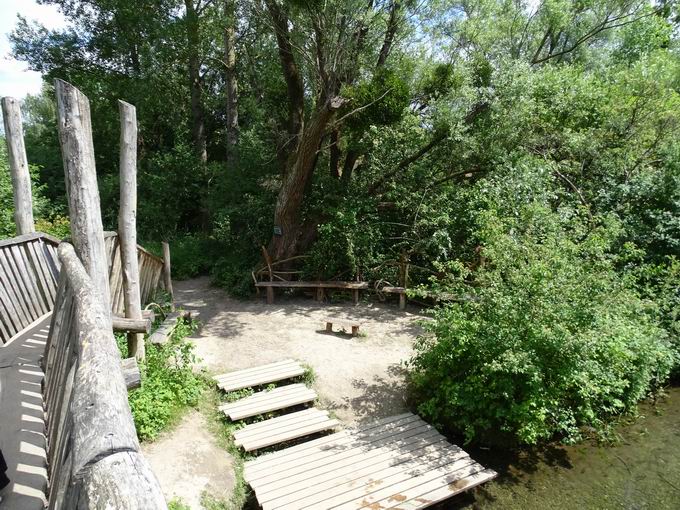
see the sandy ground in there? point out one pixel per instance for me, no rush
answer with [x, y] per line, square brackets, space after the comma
[188, 461]
[360, 379]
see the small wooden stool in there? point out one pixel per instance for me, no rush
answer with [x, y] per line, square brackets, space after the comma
[354, 327]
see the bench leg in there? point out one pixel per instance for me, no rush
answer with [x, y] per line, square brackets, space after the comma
[355, 296]
[402, 301]
[270, 295]
[320, 294]
[329, 327]
[355, 330]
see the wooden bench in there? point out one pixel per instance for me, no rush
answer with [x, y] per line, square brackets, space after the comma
[397, 290]
[354, 326]
[320, 287]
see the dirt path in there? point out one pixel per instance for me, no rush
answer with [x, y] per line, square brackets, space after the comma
[361, 378]
[188, 462]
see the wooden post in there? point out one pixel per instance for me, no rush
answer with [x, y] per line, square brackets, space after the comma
[18, 166]
[127, 224]
[167, 274]
[77, 149]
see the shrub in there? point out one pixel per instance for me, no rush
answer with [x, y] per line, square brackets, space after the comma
[547, 338]
[169, 385]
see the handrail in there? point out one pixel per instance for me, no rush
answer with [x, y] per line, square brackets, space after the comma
[94, 458]
[29, 237]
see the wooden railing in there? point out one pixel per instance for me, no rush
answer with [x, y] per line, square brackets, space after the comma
[29, 270]
[94, 458]
[150, 271]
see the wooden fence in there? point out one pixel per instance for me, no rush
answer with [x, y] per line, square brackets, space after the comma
[29, 270]
[94, 458]
[150, 271]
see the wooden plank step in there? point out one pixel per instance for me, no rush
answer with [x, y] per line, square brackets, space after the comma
[162, 334]
[278, 430]
[267, 401]
[258, 376]
[399, 462]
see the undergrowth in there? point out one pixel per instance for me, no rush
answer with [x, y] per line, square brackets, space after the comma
[169, 384]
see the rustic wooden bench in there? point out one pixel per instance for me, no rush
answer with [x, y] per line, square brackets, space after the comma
[320, 287]
[354, 326]
[397, 290]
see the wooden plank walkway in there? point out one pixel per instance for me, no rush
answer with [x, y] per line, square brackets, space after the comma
[258, 376]
[267, 401]
[283, 428]
[398, 462]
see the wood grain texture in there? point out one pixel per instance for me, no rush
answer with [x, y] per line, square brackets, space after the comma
[18, 165]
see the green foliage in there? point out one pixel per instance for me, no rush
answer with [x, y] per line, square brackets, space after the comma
[169, 384]
[545, 338]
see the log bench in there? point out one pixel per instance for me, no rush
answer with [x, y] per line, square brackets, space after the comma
[397, 290]
[320, 287]
[354, 326]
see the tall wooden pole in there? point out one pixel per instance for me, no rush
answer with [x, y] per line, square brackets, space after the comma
[77, 149]
[167, 274]
[18, 165]
[127, 223]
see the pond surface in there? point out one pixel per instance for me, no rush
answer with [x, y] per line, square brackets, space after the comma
[639, 471]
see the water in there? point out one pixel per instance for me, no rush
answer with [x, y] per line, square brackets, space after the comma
[641, 470]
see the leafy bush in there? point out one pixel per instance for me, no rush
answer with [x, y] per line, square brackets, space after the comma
[547, 338]
[169, 384]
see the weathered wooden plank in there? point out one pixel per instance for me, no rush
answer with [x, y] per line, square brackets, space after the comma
[351, 482]
[15, 296]
[312, 428]
[227, 379]
[340, 451]
[12, 319]
[280, 423]
[23, 238]
[268, 401]
[27, 276]
[260, 368]
[162, 334]
[18, 165]
[42, 274]
[258, 380]
[279, 461]
[331, 467]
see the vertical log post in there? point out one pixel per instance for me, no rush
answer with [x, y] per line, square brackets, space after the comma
[18, 165]
[77, 149]
[127, 224]
[167, 274]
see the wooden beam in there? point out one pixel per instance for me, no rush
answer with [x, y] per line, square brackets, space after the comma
[18, 166]
[77, 149]
[127, 224]
[127, 325]
[131, 373]
[167, 273]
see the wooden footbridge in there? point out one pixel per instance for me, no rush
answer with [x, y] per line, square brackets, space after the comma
[398, 462]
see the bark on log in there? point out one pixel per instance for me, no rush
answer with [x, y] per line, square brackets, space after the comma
[167, 274]
[127, 224]
[102, 421]
[121, 480]
[75, 134]
[127, 325]
[131, 373]
[18, 165]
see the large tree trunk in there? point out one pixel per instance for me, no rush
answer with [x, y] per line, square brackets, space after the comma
[232, 81]
[300, 168]
[194, 64]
